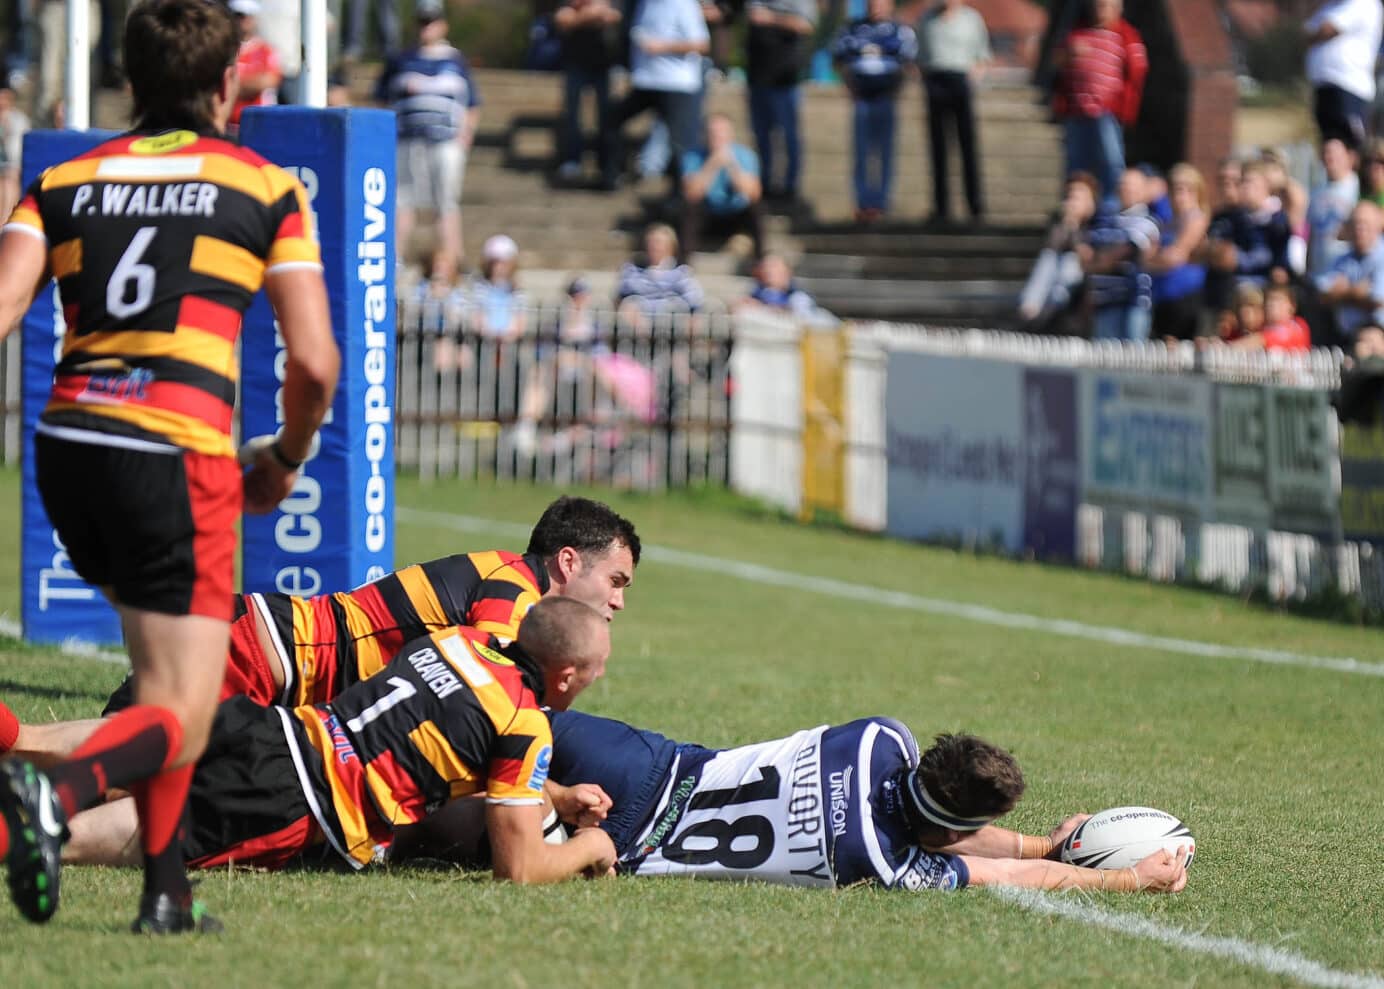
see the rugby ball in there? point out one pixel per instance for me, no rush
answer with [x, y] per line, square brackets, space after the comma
[1122, 836]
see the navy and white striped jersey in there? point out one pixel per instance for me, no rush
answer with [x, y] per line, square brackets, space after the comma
[874, 54]
[428, 88]
[818, 808]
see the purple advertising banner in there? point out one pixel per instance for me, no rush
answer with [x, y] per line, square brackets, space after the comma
[1052, 476]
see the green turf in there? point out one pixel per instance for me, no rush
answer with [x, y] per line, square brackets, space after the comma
[1275, 768]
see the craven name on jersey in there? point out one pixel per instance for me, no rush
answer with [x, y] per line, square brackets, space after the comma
[172, 199]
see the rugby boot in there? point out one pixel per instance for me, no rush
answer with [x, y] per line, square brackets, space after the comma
[163, 913]
[38, 828]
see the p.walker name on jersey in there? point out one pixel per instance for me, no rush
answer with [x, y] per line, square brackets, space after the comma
[147, 199]
[436, 672]
[805, 821]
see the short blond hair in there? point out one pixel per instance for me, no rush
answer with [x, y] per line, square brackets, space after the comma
[1183, 172]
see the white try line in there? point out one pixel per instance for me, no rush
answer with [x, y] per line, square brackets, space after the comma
[980, 614]
[1275, 961]
[70, 647]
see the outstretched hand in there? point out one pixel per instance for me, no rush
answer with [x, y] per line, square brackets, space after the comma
[1163, 871]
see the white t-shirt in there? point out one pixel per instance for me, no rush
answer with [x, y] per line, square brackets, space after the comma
[1347, 60]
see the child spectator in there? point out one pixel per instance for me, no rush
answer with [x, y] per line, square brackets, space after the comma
[774, 289]
[1101, 63]
[1118, 287]
[1178, 278]
[493, 298]
[1292, 199]
[660, 284]
[1244, 318]
[1330, 206]
[439, 303]
[1284, 330]
[1353, 287]
[1048, 302]
[872, 55]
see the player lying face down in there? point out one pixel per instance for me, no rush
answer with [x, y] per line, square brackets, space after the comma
[294, 651]
[447, 718]
[831, 806]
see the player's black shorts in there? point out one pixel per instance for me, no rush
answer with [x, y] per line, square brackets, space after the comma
[246, 804]
[157, 528]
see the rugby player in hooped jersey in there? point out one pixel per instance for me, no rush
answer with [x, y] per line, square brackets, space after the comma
[158, 240]
[830, 806]
[447, 718]
[294, 651]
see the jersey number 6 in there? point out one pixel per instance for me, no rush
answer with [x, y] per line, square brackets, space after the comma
[131, 270]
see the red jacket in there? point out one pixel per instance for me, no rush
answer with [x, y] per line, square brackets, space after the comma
[1103, 71]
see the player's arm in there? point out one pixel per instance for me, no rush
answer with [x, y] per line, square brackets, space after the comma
[1161, 872]
[995, 842]
[23, 271]
[584, 805]
[519, 853]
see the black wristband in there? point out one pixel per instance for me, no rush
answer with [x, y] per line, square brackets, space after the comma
[282, 458]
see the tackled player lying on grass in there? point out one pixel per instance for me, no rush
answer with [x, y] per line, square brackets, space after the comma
[829, 806]
[295, 651]
[448, 717]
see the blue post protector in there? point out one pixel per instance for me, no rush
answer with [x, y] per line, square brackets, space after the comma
[336, 530]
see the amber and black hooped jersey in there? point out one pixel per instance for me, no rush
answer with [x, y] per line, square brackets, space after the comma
[158, 241]
[447, 718]
[328, 642]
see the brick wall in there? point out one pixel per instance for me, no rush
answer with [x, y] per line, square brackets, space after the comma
[1214, 96]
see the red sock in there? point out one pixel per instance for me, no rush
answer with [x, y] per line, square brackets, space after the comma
[9, 728]
[131, 746]
[161, 801]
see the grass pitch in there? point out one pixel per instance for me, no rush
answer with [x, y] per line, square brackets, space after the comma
[1274, 767]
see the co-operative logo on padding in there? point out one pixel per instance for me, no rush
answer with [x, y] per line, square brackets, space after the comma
[540, 768]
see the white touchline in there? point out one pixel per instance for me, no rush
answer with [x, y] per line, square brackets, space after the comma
[1273, 960]
[977, 613]
[70, 647]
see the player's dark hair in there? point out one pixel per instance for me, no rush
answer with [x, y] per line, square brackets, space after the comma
[589, 527]
[176, 53]
[557, 631]
[970, 777]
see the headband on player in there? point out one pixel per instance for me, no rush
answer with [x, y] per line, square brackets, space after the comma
[926, 805]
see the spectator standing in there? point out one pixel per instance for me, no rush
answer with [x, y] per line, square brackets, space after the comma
[660, 284]
[667, 41]
[1354, 284]
[1179, 279]
[1343, 41]
[775, 51]
[386, 28]
[721, 188]
[498, 308]
[1101, 66]
[257, 63]
[1054, 285]
[1118, 285]
[1330, 206]
[437, 107]
[588, 30]
[953, 50]
[13, 126]
[873, 54]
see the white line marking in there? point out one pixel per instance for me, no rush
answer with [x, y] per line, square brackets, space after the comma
[1275, 961]
[980, 614]
[69, 647]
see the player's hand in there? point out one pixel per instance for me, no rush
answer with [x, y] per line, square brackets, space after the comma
[1060, 833]
[267, 482]
[604, 851]
[584, 805]
[1163, 871]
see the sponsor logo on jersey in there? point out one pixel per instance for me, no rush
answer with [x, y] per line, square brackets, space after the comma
[928, 872]
[341, 745]
[840, 799]
[163, 143]
[676, 803]
[540, 768]
[493, 656]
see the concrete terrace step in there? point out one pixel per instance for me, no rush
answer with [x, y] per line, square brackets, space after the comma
[872, 269]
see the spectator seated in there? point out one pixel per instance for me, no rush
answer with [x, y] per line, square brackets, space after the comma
[1049, 302]
[1353, 287]
[721, 188]
[1118, 286]
[660, 284]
